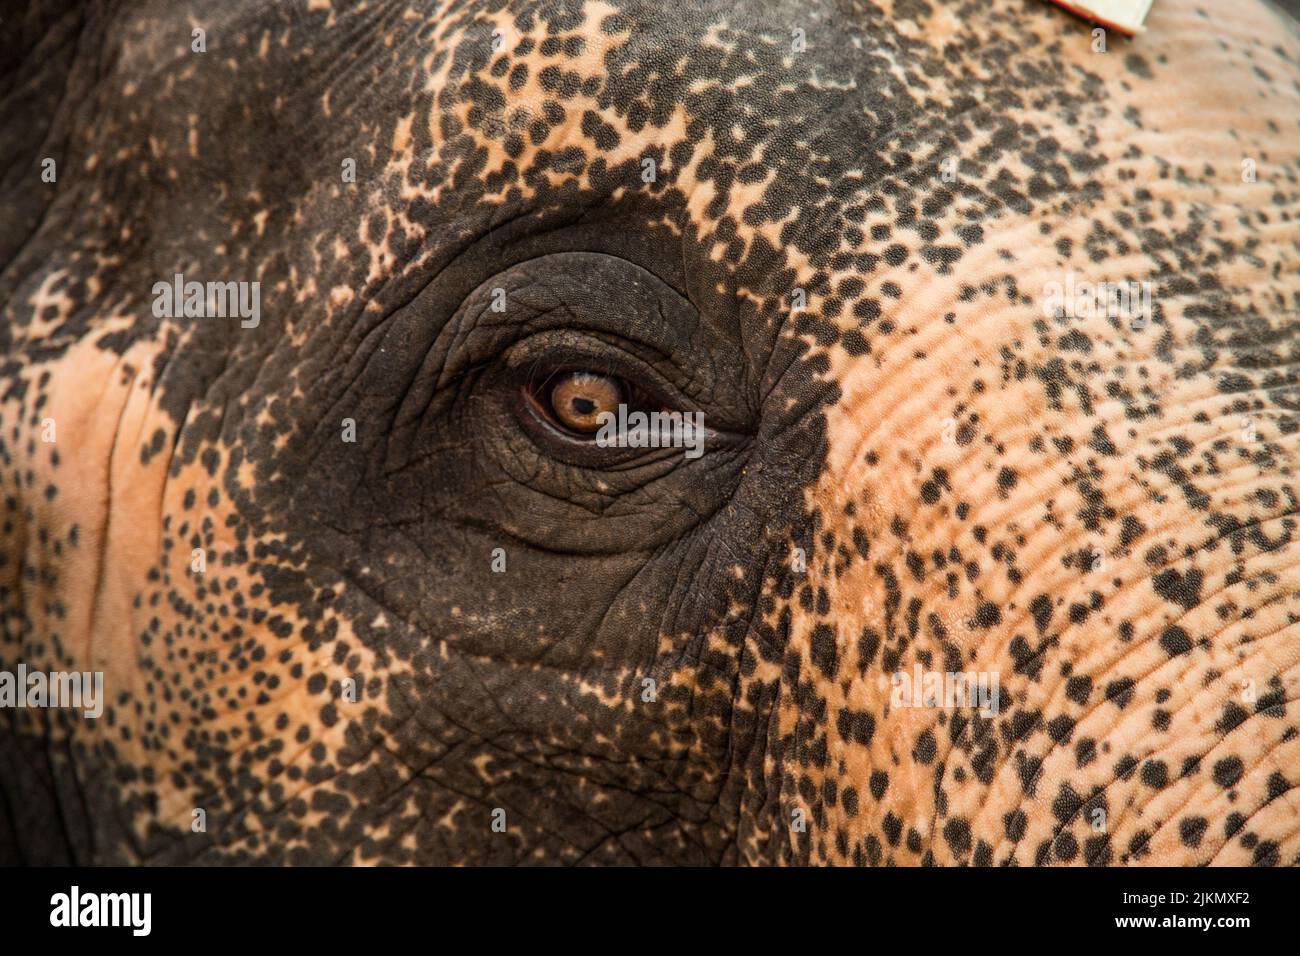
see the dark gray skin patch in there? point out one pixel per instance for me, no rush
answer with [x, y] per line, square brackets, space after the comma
[770, 736]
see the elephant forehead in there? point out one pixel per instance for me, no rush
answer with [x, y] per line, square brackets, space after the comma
[830, 149]
[776, 136]
[826, 158]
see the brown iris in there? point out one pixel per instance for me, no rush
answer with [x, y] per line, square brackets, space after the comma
[577, 400]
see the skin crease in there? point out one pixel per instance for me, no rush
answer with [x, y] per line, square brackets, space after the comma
[1103, 517]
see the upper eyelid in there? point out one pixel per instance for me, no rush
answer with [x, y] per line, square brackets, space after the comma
[626, 366]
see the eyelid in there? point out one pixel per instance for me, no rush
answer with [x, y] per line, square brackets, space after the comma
[556, 350]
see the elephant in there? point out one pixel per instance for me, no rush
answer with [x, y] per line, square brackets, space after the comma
[971, 333]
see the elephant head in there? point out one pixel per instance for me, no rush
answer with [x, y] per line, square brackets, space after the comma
[970, 539]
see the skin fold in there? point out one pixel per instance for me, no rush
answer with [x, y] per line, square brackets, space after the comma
[465, 637]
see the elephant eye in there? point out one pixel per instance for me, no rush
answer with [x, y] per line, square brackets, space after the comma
[574, 401]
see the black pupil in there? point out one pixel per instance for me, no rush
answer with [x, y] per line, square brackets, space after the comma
[583, 406]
